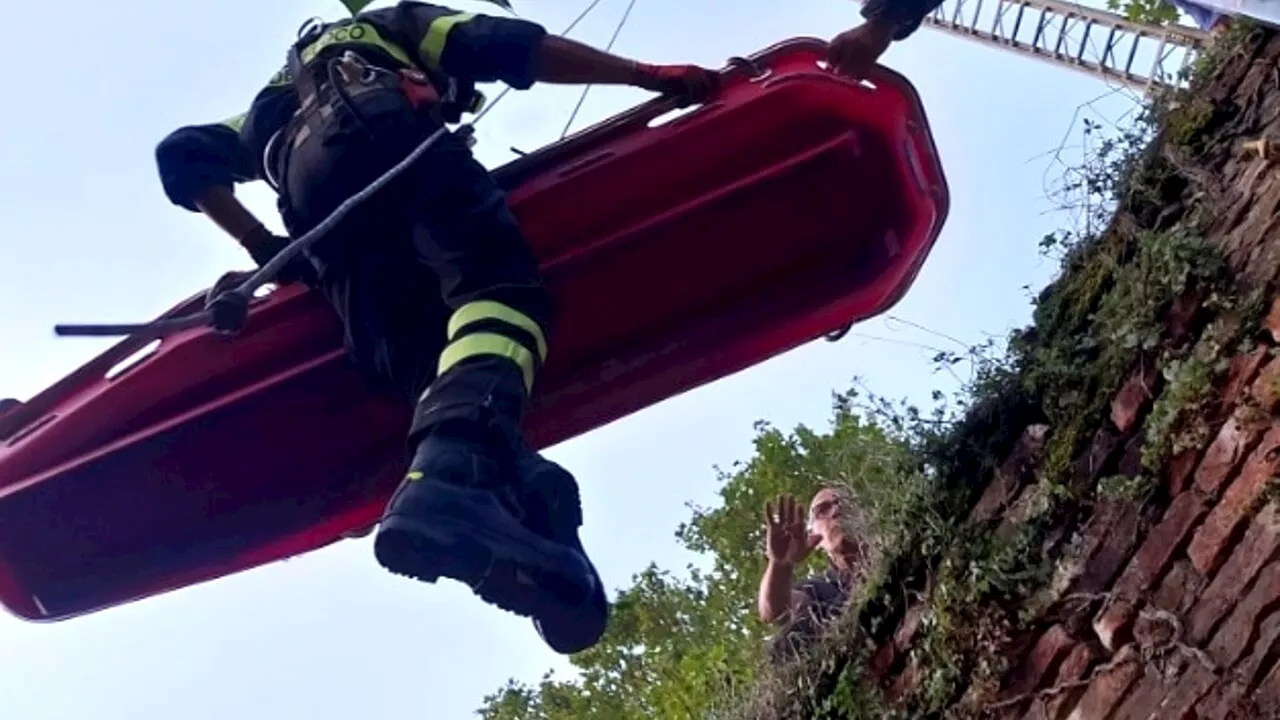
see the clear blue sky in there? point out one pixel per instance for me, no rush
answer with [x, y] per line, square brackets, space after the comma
[88, 236]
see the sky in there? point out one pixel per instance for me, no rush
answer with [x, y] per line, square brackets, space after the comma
[88, 236]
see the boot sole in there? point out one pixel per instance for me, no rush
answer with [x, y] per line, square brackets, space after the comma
[465, 536]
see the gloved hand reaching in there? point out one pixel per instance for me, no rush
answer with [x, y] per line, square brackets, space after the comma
[689, 82]
[563, 61]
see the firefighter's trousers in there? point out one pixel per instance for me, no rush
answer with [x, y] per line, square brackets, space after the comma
[438, 292]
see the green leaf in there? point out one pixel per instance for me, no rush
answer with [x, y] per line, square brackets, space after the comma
[355, 6]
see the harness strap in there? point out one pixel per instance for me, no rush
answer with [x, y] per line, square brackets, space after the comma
[302, 80]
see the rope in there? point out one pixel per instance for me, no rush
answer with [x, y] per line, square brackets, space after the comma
[581, 16]
[582, 98]
[228, 311]
[565, 33]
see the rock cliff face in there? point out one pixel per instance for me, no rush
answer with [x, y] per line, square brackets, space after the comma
[1114, 552]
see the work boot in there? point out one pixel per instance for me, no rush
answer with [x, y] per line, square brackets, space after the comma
[457, 515]
[553, 509]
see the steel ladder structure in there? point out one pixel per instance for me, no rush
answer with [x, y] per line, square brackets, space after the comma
[1101, 43]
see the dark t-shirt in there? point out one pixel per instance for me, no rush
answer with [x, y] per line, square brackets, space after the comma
[828, 594]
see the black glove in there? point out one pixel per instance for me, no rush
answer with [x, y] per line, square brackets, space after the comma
[263, 245]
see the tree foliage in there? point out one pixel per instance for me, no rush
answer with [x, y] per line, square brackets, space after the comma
[679, 643]
[1152, 12]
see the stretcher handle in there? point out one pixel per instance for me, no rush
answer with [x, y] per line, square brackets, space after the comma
[738, 70]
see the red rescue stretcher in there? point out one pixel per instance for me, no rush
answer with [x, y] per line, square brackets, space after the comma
[794, 204]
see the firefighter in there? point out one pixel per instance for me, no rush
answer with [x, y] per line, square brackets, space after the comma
[438, 293]
[854, 51]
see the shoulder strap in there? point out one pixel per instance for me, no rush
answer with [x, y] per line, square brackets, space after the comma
[302, 80]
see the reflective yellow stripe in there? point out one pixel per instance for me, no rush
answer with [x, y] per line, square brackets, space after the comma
[469, 346]
[282, 77]
[490, 310]
[235, 123]
[432, 47]
[358, 33]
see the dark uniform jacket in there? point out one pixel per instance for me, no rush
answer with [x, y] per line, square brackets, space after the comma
[455, 49]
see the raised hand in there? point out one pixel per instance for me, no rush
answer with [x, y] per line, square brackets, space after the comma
[787, 540]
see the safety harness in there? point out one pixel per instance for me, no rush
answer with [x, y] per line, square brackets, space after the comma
[452, 97]
[348, 78]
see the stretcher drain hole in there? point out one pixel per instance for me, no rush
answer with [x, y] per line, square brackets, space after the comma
[826, 67]
[673, 115]
[133, 360]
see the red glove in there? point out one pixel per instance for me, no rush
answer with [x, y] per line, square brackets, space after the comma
[689, 82]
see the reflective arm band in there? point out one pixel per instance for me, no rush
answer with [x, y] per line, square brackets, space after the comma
[235, 123]
[433, 44]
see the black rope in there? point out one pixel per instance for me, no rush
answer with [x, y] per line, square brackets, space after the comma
[581, 98]
[229, 311]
